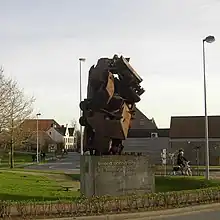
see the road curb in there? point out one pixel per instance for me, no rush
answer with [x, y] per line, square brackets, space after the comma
[148, 215]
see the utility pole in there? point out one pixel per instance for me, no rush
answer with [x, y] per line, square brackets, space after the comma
[209, 39]
[12, 144]
[37, 139]
[80, 98]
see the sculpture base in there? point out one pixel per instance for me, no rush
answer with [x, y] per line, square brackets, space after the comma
[116, 175]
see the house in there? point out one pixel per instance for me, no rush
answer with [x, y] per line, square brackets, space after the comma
[141, 121]
[144, 136]
[46, 141]
[57, 133]
[69, 137]
[188, 133]
[59, 136]
[18, 139]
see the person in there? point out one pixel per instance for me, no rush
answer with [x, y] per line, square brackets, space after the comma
[181, 159]
[33, 158]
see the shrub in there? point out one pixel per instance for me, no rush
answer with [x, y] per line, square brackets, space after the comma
[108, 204]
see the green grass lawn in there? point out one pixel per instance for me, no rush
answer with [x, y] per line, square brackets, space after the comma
[19, 186]
[18, 158]
[74, 177]
[176, 183]
[195, 167]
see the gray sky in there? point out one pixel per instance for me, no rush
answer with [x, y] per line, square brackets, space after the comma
[41, 41]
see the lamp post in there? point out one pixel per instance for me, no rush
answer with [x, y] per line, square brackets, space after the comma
[80, 98]
[38, 114]
[209, 39]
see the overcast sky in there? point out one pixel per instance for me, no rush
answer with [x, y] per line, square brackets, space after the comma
[41, 41]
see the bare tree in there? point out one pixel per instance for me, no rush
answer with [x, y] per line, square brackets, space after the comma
[15, 107]
[78, 140]
[76, 134]
[73, 123]
[5, 90]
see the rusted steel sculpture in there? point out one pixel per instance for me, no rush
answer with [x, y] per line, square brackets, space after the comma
[113, 89]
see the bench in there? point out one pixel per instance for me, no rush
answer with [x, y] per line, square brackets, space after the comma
[67, 188]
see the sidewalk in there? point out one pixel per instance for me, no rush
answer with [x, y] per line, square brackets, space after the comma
[34, 163]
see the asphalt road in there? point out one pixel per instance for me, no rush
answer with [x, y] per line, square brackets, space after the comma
[206, 215]
[203, 212]
[70, 163]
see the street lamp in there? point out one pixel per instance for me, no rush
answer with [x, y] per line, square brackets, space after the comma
[38, 114]
[209, 39]
[80, 98]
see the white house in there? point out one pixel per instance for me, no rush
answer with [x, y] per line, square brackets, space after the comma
[70, 140]
[63, 135]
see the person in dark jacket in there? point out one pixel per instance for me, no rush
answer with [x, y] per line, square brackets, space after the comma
[181, 159]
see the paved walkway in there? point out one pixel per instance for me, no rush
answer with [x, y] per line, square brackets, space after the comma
[201, 215]
[69, 164]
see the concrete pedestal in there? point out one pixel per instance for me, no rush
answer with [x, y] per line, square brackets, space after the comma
[116, 175]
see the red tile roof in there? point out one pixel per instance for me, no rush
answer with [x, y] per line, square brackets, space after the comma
[30, 125]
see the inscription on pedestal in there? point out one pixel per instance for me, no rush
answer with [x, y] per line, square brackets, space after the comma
[119, 175]
[116, 167]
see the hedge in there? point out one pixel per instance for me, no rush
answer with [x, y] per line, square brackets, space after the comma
[107, 205]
